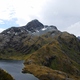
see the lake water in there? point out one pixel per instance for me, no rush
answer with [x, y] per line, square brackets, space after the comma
[14, 67]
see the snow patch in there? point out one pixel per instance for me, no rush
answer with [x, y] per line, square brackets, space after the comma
[16, 33]
[8, 32]
[37, 31]
[22, 31]
[43, 29]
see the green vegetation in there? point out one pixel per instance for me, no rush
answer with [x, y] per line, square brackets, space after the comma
[60, 54]
[54, 64]
[45, 73]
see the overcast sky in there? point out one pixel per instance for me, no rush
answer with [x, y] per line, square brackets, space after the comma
[64, 14]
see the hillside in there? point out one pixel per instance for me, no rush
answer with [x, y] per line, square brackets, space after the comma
[49, 54]
[62, 54]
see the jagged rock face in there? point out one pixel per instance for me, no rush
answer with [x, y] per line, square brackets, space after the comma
[14, 31]
[37, 28]
[11, 37]
[34, 25]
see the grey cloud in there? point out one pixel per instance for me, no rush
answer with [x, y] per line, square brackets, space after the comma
[61, 13]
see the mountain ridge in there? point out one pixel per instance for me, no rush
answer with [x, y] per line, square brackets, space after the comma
[48, 53]
[24, 41]
[31, 27]
[59, 55]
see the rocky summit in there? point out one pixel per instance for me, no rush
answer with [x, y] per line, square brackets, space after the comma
[49, 54]
[34, 26]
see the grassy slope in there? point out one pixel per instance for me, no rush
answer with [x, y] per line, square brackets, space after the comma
[57, 55]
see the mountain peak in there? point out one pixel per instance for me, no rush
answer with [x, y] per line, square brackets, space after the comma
[34, 25]
[35, 20]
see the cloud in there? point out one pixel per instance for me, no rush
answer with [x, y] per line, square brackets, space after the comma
[57, 12]
[1, 22]
[23, 10]
[1, 29]
[61, 13]
[6, 10]
[26, 10]
[75, 28]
